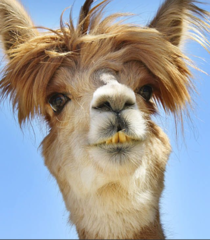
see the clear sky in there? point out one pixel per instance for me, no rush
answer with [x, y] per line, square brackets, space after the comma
[31, 205]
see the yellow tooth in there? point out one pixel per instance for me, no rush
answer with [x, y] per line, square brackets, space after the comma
[115, 138]
[128, 139]
[119, 137]
[109, 141]
[122, 137]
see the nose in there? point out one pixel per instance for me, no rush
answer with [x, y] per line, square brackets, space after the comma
[113, 97]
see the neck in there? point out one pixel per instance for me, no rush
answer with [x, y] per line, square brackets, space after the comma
[112, 212]
[106, 205]
[152, 231]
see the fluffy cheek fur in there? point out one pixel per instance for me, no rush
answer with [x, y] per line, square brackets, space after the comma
[65, 148]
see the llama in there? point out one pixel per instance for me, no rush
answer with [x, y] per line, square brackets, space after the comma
[97, 86]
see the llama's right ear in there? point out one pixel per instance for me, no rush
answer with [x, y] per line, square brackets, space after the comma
[174, 17]
[15, 25]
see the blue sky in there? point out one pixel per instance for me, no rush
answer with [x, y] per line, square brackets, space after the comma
[31, 205]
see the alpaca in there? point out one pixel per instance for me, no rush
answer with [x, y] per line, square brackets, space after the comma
[97, 86]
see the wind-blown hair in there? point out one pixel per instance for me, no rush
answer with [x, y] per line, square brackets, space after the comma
[96, 42]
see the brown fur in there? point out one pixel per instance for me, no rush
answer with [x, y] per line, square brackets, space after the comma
[70, 60]
[115, 41]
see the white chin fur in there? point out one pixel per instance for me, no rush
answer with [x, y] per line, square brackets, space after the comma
[113, 162]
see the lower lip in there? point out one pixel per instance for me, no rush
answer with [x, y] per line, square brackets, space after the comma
[118, 147]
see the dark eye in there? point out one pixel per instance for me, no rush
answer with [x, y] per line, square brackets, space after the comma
[58, 101]
[146, 92]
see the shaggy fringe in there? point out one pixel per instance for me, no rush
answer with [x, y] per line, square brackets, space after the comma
[98, 42]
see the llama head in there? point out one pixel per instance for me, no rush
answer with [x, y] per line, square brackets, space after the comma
[97, 85]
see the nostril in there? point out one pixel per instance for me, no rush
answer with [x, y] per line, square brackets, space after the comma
[105, 106]
[128, 104]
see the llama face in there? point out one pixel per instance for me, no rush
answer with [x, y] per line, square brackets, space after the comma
[113, 111]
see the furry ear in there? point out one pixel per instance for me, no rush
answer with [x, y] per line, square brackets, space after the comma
[15, 25]
[173, 17]
[26, 75]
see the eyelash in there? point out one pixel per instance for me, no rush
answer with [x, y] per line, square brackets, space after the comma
[146, 92]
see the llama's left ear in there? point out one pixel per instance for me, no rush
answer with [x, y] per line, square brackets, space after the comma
[15, 25]
[173, 17]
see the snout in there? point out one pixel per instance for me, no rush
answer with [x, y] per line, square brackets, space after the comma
[113, 97]
[115, 117]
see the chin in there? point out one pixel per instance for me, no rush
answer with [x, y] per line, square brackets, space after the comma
[118, 157]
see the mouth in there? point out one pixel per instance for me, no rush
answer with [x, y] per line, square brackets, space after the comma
[119, 139]
[119, 147]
